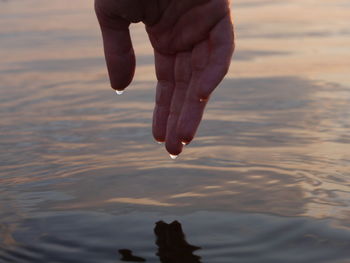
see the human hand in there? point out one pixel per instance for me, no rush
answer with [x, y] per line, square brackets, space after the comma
[193, 44]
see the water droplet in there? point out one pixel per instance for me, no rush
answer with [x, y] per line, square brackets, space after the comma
[184, 143]
[119, 92]
[159, 142]
[173, 156]
[203, 100]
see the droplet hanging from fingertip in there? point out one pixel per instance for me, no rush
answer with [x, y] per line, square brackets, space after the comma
[173, 156]
[119, 92]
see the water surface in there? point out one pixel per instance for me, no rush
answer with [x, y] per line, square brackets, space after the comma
[266, 180]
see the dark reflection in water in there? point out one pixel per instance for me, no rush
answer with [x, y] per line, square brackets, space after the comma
[172, 246]
[127, 255]
[82, 237]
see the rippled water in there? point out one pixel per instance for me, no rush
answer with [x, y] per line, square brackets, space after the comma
[266, 180]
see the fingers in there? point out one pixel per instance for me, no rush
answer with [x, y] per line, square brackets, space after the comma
[185, 80]
[119, 53]
[210, 62]
[164, 65]
[182, 78]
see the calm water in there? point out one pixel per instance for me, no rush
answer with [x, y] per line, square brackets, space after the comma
[266, 180]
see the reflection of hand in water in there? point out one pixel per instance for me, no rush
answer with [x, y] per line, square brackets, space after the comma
[128, 256]
[172, 245]
[193, 45]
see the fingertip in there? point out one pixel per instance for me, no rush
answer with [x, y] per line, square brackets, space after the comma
[173, 148]
[159, 141]
[158, 136]
[121, 70]
[159, 124]
[186, 138]
[187, 127]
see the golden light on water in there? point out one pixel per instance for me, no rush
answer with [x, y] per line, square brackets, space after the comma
[275, 136]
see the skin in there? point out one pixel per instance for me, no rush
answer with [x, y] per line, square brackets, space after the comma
[193, 43]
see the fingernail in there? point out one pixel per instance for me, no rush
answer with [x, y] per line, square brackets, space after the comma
[119, 92]
[173, 156]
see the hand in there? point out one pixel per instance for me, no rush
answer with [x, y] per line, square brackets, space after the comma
[193, 44]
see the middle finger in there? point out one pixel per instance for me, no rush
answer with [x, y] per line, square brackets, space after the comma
[182, 77]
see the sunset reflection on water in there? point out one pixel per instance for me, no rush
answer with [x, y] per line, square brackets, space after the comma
[267, 173]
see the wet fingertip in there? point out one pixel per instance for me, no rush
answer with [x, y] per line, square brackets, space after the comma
[173, 152]
[159, 139]
[186, 139]
[159, 142]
